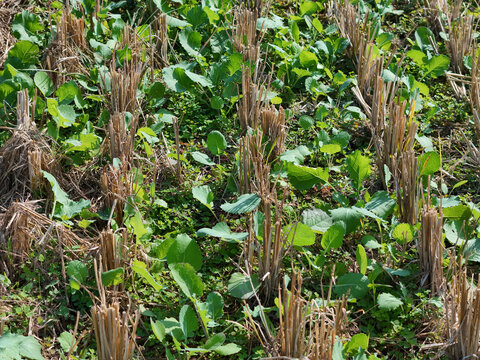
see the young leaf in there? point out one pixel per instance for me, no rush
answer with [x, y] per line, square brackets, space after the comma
[215, 341]
[204, 195]
[216, 142]
[299, 234]
[140, 268]
[387, 301]
[304, 177]
[186, 278]
[221, 230]
[43, 82]
[188, 321]
[358, 166]
[354, 283]
[112, 277]
[66, 341]
[429, 163]
[357, 341]
[240, 286]
[227, 349]
[185, 250]
[244, 204]
[317, 220]
[403, 233]
[333, 237]
[158, 330]
[361, 257]
[202, 158]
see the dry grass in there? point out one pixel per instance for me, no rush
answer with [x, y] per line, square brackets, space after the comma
[407, 186]
[124, 83]
[116, 186]
[23, 156]
[159, 51]
[347, 17]
[430, 248]
[274, 126]
[245, 38]
[122, 140]
[253, 99]
[114, 330]
[64, 56]
[462, 314]
[113, 248]
[293, 313]
[22, 227]
[460, 41]
[8, 9]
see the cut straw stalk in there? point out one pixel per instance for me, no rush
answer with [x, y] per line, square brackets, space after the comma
[116, 187]
[62, 57]
[115, 340]
[113, 249]
[430, 249]
[462, 311]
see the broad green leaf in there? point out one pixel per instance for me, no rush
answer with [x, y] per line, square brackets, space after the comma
[370, 242]
[353, 283]
[358, 166]
[350, 217]
[437, 65]
[387, 301]
[202, 158]
[188, 281]
[306, 122]
[185, 250]
[112, 277]
[176, 79]
[188, 321]
[361, 257]
[228, 349]
[308, 59]
[317, 220]
[78, 270]
[423, 37]
[240, 286]
[429, 163]
[216, 102]
[140, 268]
[221, 230]
[69, 92]
[403, 233]
[357, 341]
[308, 8]
[456, 232]
[418, 56]
[83, 142]
[66, 115]
[333, 237]
[215, 341]
[16, 347]
[214, 305]
[381, 204]
[299, 234]
[304, 177]
[330, 149]
[139, 229]
[43, 82]
[216, 142]
[295, 156]
[203, 194]
[472, 250]
[26, 25]
[244, 204]
[459, 212]
[66, 341]
[158, 330]
[199, 79]
[191, 41]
